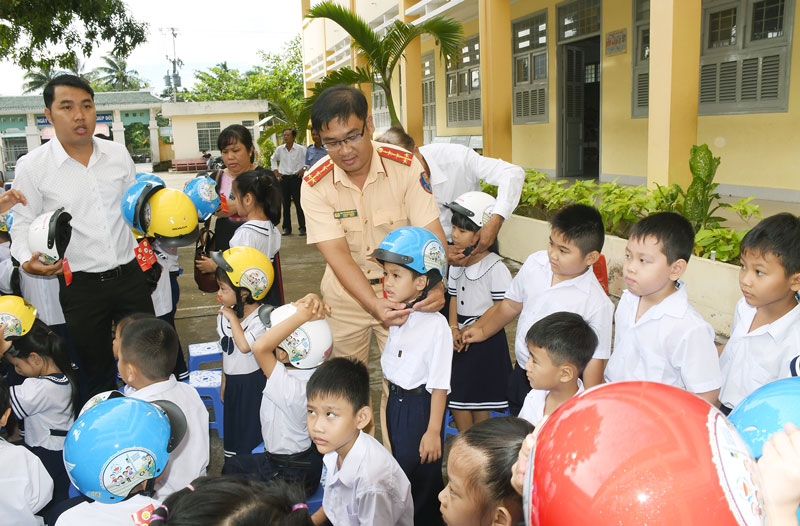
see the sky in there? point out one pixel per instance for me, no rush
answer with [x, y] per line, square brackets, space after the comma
[209, 32]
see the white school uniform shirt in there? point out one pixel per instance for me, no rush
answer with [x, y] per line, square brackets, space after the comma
[261, 235]
[170, 256]
[475, 288]
[235, 361]
[753, 359]
[370, 488]
[101, 514]
[283, 411]
[670, 344]
[45, 403]
[582, 295]
[6, 267]
[42, 293]
[190, 459]
[292, 161]
[27, 487]
[50, 179]
[533, 405]
[456, 169]
[162, 295]
[419, 352]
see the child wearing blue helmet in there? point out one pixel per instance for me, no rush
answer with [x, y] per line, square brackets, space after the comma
[416, 363]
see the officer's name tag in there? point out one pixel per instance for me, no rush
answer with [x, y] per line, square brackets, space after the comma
[344, 214]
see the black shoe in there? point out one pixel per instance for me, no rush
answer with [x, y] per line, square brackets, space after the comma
[287, 232]
[302, 231]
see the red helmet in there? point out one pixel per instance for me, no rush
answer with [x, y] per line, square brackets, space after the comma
[633, 453]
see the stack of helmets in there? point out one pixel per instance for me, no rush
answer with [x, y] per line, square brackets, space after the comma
[152, 210]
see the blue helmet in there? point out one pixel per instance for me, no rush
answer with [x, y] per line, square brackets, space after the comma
[203, 193]
[7, 221]
[134, 201]
[120, 443]
[144, 176]
[766, 410]
[415, 248]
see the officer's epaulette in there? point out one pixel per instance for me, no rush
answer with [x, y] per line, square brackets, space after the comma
[400, 156]
[319, 172]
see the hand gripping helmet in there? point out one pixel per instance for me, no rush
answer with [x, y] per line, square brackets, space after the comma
[631, 453]
[171, 218]
[309, 344]
[477, 206]
[134, 201]
[247, 267]
[414, 248]
[203, 193]
[49, 234]
[120, 443]
[18, 314]
[144, 176]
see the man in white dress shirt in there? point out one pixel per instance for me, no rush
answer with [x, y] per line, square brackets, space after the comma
[455, 169]
[292, 159]
[100, 281]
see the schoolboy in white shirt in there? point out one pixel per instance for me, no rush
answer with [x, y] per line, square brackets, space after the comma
[416, 362]
[27, 487]
[364, 485]
[146, 358]
[288, 452]
[560, 346]
[765, 337]
[659, 336]
[553, 280]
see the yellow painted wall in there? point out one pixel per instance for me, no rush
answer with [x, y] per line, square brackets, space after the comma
[470, 30]
[184, 130]
[165, 152]
[759, 149]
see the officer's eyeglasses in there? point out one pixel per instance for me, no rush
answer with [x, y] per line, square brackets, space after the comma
[352, 140]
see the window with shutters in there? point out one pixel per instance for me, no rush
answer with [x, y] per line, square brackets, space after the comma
[640, 98]
[745, 56]
[464, 86]
[428, 99]
[380, 108]
[529, 70]
[207, 133]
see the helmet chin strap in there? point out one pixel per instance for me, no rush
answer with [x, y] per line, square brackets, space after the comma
[433, 279]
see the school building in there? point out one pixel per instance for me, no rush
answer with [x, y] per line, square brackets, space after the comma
[612, 89]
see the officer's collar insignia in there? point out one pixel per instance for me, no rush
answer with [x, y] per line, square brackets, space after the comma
[319, 172]
[400, 156]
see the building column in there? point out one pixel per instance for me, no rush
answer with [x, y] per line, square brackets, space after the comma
[674, 80]
[32, 134]
[305, 5]
[411, 76]
[117, 128]
[494, 26]
[154, 138]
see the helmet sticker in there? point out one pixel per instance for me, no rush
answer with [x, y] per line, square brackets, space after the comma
[296, 345]
[127, 469]
[487, 214]
[433, 256]
[736, 470]
[206, 190]
[425, 182]
[148, 215]
[14, 327]
[47, 260]
[255, 280]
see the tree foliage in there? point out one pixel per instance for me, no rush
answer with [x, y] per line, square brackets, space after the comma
[37, 79]
[115, 75]
[48, 33]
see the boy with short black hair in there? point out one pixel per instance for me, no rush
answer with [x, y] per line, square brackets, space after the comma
[765, 336]
[557, 279]
[364, 481]
[560, 346]
[147, 352]
[659, 336]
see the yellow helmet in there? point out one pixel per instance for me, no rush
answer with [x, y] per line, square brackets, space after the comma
[18, 314]
[171, 218]
[247, 267]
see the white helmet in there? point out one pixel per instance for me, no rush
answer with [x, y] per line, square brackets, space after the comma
[477, 206]
[49, 234]
[309, 344]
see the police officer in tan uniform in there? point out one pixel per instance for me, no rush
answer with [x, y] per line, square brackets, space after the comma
[352, 199]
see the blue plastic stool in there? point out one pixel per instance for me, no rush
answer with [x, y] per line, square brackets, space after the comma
[258, 449]
[450, 428]
[202, 353]
[207, 383]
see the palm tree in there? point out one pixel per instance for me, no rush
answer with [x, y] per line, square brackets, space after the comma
[117, 75]
[383, 53]
[38, 78]
[287, 113]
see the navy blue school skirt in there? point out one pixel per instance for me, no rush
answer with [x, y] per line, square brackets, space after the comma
[479, 381]
[242, 422]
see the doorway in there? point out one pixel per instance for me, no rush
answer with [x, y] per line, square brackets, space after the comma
[579, 108]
